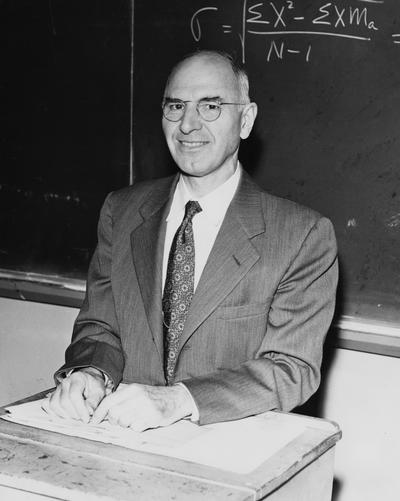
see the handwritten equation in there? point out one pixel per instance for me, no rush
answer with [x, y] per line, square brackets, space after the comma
[279, 19]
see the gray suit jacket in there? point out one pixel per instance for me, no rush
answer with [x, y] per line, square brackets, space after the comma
[255, 329]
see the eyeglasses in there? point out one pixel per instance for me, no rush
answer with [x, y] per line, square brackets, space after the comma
[208, 110]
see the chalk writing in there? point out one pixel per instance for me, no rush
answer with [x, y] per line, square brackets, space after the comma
[396, 37]
[329, 14]
[280, 20]
[195, 23]
[279, 49]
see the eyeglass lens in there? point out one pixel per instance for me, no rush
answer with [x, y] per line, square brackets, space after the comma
[209, 111]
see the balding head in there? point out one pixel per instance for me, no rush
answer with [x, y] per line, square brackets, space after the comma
[206, 112]
[224, 60]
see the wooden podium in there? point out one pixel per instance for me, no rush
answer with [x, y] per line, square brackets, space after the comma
[36, 464]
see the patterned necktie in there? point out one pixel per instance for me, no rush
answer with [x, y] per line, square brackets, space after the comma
[179, 288]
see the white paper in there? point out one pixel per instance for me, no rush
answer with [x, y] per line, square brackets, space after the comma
[236, 446]
[32, 414]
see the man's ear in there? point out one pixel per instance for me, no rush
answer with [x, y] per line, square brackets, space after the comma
[248, 117]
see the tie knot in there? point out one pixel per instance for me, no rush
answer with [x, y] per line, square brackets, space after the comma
[191, 209]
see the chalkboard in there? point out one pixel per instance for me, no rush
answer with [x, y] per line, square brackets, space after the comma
[326, 77]
[65, 89]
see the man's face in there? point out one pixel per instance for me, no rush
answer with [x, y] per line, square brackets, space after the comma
[201, 148]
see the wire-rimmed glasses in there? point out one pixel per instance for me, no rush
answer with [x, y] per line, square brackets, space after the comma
[208, 110]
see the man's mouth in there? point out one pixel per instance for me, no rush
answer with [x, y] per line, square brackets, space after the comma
[192, 144]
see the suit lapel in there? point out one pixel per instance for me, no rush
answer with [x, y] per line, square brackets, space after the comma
[147, 242]
[231, 257]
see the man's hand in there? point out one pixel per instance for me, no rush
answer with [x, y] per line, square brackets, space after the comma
[78, 395]
[141, 407]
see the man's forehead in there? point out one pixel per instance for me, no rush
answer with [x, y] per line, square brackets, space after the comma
[199, 75]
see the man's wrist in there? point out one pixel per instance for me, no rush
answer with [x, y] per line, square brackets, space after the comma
[92, 371]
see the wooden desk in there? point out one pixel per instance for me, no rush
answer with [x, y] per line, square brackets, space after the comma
[37, 464]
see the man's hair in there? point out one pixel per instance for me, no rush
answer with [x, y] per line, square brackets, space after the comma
[238, 70]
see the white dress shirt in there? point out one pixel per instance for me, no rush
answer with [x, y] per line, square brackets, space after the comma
[206, 225]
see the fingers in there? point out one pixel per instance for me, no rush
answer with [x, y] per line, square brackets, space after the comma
[118, 407]
[102, 410]
[82, 397]
[61, 402]
[118, 416]
[76, 397]
[93, 398]
[122, 413]
[141, 407]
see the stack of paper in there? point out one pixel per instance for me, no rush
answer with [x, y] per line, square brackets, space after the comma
[237, 446]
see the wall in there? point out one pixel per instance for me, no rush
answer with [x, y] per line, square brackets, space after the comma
[33, 338]
[361, 395]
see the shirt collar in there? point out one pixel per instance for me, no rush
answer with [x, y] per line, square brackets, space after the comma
[214, 205]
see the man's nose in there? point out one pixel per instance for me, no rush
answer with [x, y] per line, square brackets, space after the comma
[191, 119]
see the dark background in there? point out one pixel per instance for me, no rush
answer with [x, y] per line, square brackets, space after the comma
[328, 130]
[65, 127]
[327, 134]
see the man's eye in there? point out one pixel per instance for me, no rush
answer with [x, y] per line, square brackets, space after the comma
[176, 106]
[210, 106]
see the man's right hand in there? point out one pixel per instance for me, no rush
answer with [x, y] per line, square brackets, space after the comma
[78, 395]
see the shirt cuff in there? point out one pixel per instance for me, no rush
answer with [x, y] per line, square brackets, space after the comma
[107, 380]
[195, 415]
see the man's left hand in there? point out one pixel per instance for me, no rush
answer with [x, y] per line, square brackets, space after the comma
[141, 406]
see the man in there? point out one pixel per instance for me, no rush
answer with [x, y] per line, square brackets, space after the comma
[207, 297]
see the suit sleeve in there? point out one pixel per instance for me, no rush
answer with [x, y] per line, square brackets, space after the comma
[95, 338]
[286, 369]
